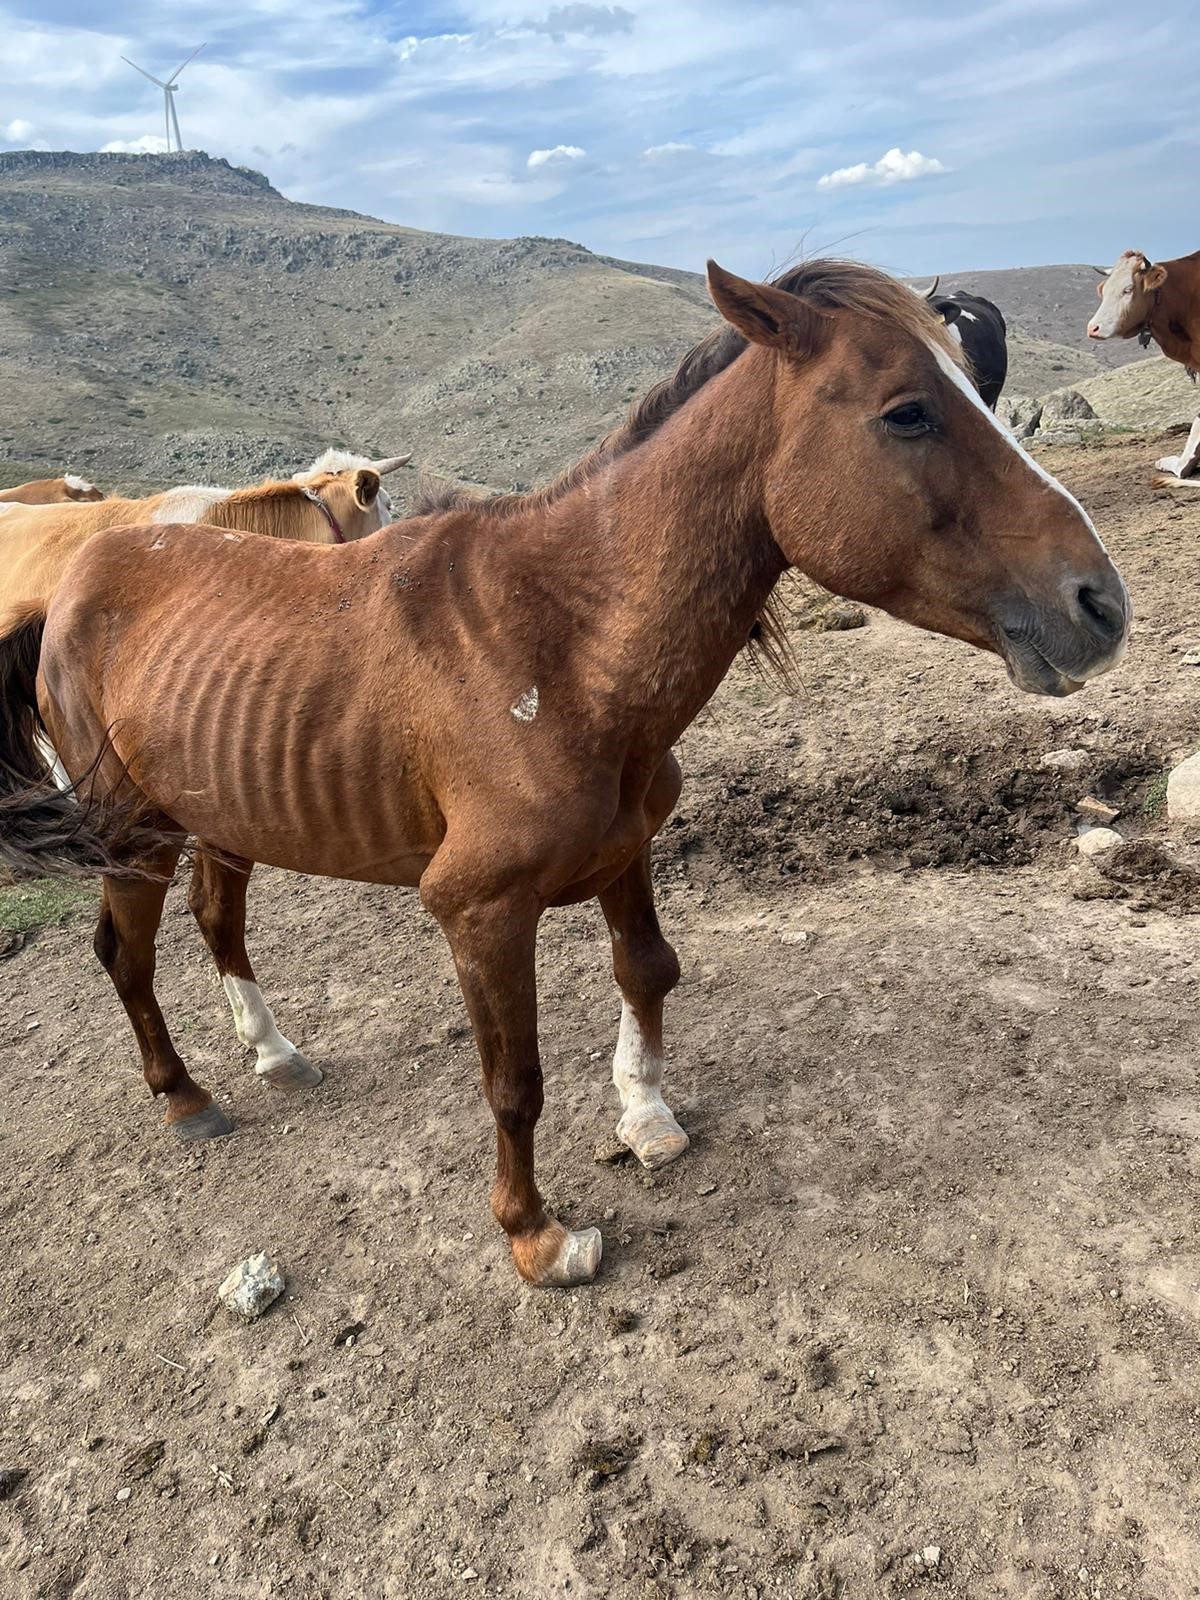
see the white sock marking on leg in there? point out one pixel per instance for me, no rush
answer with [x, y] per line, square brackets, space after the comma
[637, 1071]
[256, 1026]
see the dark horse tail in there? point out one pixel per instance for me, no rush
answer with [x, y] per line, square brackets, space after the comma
[46, 831]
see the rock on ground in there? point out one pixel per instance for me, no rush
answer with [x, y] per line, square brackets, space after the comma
[1096, 840]
[252, 1286]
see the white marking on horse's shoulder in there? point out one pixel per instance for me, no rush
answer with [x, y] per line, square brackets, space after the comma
[80, 485]
[525, 707]
[964, 385]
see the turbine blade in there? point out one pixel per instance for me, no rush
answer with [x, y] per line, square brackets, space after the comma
[143, 72]
[183, 64]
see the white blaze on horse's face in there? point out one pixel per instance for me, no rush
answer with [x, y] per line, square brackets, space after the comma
[1126, 297]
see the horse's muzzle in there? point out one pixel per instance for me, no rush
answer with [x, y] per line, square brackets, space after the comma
[1054, 649]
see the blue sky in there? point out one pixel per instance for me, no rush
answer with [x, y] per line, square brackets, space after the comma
[925, 137]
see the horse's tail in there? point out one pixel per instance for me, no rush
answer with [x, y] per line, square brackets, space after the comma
[46, 830]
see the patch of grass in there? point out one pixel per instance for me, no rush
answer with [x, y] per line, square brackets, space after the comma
[44, 903]
[1155, 802]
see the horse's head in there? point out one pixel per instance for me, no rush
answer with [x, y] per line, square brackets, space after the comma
[355, 500]
[888, 480]
[1127, 294]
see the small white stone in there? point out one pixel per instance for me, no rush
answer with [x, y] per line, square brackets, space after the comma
[1097, 840]
[1065, 760]
[124, 1494]
[932, 1556]
[252, 1286]
[469, 1575]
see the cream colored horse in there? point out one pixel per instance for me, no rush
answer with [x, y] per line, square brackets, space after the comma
[317, 506]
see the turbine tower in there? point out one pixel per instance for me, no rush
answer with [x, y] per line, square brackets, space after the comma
[169, 88]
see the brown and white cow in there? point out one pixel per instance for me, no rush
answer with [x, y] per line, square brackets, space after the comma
[1160, 301]
[51, 491]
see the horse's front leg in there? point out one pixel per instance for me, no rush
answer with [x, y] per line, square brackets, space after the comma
[646, 969]
[493, 942]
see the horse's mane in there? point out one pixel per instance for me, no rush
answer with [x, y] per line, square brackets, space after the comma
[828, 283]
[264, 507]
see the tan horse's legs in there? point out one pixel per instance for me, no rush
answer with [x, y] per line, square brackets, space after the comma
[646, 969]
[218, 900]
[130, 911]
[493, 948]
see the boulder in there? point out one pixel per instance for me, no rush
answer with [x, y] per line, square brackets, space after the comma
[1020, 413]
[1183, 795]
[1066, 417]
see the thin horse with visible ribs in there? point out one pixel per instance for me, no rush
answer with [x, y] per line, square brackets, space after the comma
[522, 669]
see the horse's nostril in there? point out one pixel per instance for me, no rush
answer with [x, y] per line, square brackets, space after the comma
[1103, 614]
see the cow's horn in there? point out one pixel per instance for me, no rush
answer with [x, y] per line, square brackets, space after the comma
[391, 463]
[1103, 271]
[932, 289]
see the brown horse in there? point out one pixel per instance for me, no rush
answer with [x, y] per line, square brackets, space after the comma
[51, 491]
[521, 669]
[38, 543]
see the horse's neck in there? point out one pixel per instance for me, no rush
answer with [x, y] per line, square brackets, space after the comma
[678, 529]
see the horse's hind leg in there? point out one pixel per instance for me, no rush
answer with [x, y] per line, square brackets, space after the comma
[130, 911]
[646, 969]
[218, 901]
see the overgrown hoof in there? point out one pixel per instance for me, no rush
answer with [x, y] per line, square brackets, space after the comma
[556, 1259]
[211, 1123]
[654, 1137]
[297, 1072]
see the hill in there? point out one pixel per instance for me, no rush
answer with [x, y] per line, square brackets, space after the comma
[175, 317]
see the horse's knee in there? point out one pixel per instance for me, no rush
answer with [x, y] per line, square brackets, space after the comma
[647, 970]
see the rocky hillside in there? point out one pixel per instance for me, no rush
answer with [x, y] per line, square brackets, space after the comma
[172, 317]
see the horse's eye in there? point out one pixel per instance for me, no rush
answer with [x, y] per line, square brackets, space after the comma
[908, 421]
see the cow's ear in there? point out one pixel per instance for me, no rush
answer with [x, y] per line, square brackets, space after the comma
[366, 487]
[1155, 278]
[948, 310]
[1100, 289]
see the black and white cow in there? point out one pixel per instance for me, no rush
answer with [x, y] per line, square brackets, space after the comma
[980, 328]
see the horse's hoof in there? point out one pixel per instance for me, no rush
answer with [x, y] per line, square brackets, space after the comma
[654, 1137]
[211, 1123]
[577, 1262]
[297, 1072]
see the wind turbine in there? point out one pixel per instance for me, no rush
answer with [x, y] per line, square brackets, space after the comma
[168, 89]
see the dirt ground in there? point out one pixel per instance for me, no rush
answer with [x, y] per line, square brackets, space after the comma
[918, 1313]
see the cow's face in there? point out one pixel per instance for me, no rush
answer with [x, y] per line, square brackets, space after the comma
[1126, 295]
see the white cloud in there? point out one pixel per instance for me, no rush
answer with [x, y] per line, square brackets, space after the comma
[150, 144]
[671, 148]
[17, 132]
[560, 156]
[894, 167]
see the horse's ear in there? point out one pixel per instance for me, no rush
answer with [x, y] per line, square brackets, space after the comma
[766, 315]
[1155, 277]
[366, 487]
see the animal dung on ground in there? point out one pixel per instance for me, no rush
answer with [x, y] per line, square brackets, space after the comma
[252, 1286]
